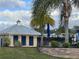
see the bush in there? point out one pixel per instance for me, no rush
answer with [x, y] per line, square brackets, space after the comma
[55, 44]
[17, 44]
[6, 41]
[66, 45]
[77, 44]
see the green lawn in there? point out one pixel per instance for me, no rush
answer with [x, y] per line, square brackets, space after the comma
[23, 53]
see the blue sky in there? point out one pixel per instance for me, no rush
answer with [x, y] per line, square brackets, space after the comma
[15, 5]
[12, 10]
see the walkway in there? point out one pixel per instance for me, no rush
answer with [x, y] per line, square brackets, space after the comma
[62, 52]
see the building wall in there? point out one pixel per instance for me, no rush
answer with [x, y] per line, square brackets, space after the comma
[19, 38]
[27, 41]
[35, 41]
[11, 40]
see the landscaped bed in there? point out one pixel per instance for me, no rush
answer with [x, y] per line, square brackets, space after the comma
[23, 53]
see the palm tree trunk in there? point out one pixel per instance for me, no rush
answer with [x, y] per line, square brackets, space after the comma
[41, 39]
[66, 33]
[66, 22]
[42, 36]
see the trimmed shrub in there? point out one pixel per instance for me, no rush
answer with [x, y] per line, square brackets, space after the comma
[66, 45]
[55, 44]
[6, 41]
[77, 44]
[17, 44]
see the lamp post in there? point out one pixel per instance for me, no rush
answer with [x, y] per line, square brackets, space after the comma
[48, 34]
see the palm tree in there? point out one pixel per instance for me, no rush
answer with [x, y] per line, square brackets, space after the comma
[40, 24]
[41, 7]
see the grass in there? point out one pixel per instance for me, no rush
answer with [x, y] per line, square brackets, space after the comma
[23, 53]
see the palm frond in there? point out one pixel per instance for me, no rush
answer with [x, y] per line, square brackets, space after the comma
[49, 20]
[42, 22]
[36, 23]
[40, 7]
[76, 2]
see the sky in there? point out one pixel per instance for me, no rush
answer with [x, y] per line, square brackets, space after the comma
[12, 10]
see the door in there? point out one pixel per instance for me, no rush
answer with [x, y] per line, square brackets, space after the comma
[23, 40]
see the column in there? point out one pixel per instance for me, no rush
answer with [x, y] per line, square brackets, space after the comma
[35, 41]
[11, 41]
[27, 40]
[19, 38]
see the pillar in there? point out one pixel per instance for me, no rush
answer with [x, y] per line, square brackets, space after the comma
[11, 41]
[35, 41]
[19, 38]
[27, 40]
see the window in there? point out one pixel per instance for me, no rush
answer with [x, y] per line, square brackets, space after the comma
[15, 38]
[31, 40]
[23, 38]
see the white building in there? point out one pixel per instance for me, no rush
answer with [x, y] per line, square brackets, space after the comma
[26, 36]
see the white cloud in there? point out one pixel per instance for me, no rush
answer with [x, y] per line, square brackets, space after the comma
[55, 12]
[10, 17]
[12, 3]
[74, 19]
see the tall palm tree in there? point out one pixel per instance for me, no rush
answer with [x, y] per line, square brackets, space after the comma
[41, 7]
[40, 24]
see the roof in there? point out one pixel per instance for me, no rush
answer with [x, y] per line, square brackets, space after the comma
[19, 30]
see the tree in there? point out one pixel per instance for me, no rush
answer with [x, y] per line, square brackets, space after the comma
[6, 40]
[41, 7]
[40, 24]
